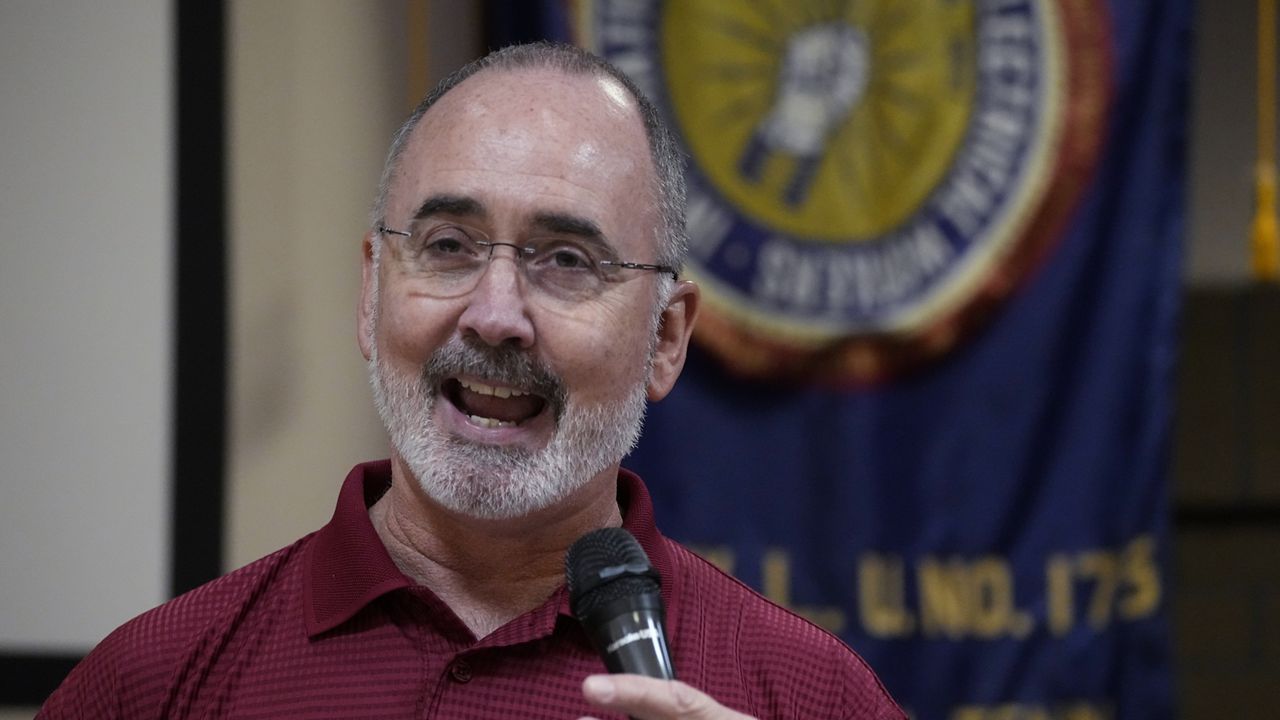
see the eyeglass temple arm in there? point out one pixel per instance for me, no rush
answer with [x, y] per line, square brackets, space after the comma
[645, 266]
[383, 229]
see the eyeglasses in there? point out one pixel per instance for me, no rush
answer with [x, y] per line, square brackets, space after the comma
[450, 259]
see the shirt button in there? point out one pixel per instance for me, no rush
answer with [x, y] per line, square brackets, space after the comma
[460, 671]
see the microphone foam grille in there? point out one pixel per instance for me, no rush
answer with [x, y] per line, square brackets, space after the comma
[596, 551]
[586, 604]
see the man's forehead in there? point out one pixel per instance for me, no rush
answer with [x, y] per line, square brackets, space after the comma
[554, 84]
[464, 207]
[582, 129]
[579, 103]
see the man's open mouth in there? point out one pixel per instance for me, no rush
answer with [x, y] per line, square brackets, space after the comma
[492, 406]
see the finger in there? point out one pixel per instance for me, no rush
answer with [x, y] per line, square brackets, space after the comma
[647, 698]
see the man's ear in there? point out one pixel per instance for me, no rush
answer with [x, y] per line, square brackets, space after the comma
[368, 297]
[674, 330]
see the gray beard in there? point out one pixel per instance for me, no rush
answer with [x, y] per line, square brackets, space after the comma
[498, 482]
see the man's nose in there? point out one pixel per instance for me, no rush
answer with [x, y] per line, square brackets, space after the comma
[497, 311]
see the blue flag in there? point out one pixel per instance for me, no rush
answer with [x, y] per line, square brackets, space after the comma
[929, 402]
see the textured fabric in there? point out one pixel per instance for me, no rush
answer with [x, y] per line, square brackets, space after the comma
[329, 628]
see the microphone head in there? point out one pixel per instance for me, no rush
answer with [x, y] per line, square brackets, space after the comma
[605, 565]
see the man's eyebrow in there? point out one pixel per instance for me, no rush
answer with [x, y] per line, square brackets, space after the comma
[450, 205]
[566, 224]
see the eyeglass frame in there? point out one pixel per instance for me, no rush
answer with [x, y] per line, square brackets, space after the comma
[523, 250]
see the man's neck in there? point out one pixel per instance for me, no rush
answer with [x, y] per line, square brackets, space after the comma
[488, 571]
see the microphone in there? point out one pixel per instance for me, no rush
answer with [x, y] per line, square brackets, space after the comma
[614, 593]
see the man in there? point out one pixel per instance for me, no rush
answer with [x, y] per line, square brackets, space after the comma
[519, 305]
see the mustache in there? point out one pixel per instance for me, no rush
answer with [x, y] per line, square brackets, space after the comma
[505, 364]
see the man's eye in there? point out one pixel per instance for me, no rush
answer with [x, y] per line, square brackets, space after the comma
[564, 257]
[444, 246]
[570, 260]
[445, 242]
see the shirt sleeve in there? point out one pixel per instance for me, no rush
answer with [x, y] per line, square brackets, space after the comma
[862, 696]
[124, 678]
[90, 691]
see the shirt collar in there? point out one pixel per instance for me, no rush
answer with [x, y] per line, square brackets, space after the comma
[349, 567]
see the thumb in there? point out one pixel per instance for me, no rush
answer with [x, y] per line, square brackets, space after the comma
[647, 698]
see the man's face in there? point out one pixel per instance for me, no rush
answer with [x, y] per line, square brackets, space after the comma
[505, 399]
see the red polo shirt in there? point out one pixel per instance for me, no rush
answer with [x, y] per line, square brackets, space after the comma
[330, 628]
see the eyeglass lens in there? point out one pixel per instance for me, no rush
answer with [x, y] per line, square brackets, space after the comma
[450, 259]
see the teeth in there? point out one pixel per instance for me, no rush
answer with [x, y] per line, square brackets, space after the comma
[481, 389]
[490, 422]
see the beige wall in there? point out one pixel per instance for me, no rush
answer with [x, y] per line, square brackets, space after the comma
[315, 89]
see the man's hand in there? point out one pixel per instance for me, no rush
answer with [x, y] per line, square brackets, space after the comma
[647, 698]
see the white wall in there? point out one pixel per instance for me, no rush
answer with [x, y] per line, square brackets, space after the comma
[85, 255]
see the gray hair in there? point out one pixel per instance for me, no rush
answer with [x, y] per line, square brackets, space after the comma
[668, 160]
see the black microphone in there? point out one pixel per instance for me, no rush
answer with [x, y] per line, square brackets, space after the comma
[614, 593]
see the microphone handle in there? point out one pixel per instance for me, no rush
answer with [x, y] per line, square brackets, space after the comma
[635, 642]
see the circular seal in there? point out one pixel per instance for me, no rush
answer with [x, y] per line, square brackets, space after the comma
[866, 179]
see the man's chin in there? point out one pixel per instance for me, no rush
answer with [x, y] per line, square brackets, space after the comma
[490, 501]
[489, 482]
